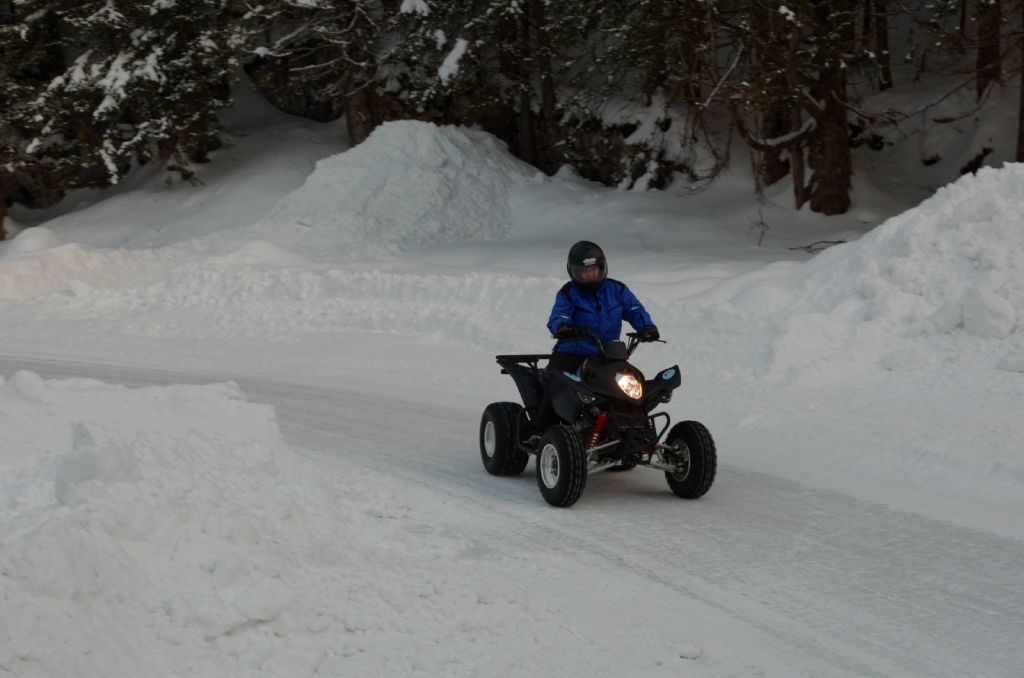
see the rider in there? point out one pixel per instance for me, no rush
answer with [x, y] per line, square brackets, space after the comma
[590, 302]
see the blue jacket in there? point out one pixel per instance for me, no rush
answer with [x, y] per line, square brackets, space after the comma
[601, 312]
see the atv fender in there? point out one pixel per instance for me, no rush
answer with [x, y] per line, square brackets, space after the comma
[566, 403]
[528, 384]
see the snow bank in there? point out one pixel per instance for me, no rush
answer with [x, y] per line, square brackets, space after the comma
[953, 265]
[408, 184]
[169, 531]
[37, 261]
[30, 240]
[261, 290]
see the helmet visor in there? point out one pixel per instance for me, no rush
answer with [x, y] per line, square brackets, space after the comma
[590, 272]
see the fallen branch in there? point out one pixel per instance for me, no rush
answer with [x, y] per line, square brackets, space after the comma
[818, 246]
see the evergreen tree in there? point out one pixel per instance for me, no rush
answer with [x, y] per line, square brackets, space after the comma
[109, 81]
[486, 62]
[799, 59]
[656, 57]
[319, 58]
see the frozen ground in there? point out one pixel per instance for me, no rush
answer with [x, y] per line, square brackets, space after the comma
[239, 421]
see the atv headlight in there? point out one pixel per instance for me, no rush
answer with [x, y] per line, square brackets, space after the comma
[629, 385]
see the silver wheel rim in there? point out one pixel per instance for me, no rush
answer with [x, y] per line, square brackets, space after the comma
[490, 439]
[683, 462]
[549, 466]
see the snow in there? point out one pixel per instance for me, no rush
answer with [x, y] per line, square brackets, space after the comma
[238, 425]
[409, 184]
[449, 68]
[176, 518]
[32, 240]
[415, 6]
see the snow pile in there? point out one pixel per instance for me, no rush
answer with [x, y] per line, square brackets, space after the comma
[408, 184]
[954, 264]
[38, 261]
[30, 241]
[169, 531]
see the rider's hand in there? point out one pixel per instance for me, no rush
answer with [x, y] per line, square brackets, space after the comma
[649, 333]
[568, 332]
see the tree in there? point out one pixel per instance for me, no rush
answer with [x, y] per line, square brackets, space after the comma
[23, 64]
[878, 28]
[319, 59]
[109, 82]
[656, 59]
[492, 63]
[799, 65]
[989, 20]
[1020, 109]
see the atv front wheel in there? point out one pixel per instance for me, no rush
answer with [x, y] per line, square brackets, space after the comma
[692, 452]
[561, 466]
[499, 445]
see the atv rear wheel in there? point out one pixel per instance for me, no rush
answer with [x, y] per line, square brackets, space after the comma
[499, 444]
[561, 466]
[692, 451]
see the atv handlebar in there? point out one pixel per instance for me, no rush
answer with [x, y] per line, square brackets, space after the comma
[634, 340]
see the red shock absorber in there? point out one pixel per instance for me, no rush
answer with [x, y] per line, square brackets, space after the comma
[595, 435]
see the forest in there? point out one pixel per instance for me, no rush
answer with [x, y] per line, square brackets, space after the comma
[630, 93]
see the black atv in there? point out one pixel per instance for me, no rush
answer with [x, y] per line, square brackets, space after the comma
[606, 424]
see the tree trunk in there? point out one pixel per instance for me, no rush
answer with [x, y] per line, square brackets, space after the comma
[796, 164]
[360, 118]
[774, 165]
[693, 52]
[776, 113]
[989, 66]
[882, 44]
[830, 143]
[548, 103]
[833, 166]
[548, 134]
[1020, 110]
[527, 143]
[796, 151]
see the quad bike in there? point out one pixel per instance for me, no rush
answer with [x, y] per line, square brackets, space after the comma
[606, 423]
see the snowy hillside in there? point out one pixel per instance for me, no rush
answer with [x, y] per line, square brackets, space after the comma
[865, 402]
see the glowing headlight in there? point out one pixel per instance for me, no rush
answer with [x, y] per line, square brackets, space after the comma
[629, 384]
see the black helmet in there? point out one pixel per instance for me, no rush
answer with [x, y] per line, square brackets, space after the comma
[582, 255]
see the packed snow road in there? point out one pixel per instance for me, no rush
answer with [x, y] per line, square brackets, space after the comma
[799, 576]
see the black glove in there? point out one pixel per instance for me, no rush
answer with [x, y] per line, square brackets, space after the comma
[649, 333]
[569, 332]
